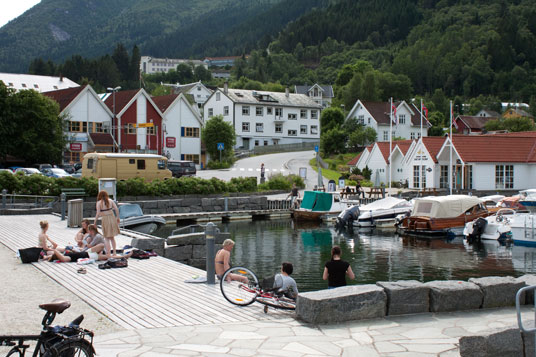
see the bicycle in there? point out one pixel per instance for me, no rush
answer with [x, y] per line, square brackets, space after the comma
[53, 341]
[248, 291]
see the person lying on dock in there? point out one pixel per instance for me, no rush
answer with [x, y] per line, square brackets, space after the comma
[223, 262]
[72, 256]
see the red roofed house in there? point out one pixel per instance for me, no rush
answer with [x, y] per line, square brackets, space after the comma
[466, 124]
[138, 123]
[420, 162]
[89, 121]
[406, 120]
[182, 128]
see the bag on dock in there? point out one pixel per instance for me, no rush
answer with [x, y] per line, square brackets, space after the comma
[30, 255]
[117, 262]
[140, 254]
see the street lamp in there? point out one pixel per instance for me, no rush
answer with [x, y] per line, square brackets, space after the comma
[343, 110]
[113, 90]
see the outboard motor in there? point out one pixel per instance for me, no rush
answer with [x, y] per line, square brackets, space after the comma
[478, 228]
[347, 217]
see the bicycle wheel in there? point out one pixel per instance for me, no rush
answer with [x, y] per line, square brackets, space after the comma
[239, 286]
[70, 348]
[14, 352]
[277, 303]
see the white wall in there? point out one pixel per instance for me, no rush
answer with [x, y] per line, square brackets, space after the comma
[141, 117]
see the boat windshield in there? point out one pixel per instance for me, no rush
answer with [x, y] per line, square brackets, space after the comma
[126, 211]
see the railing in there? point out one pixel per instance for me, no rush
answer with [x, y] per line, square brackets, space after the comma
[281, 204]
[26, 201]
[520, 293]
[193, 228]
[284, 147]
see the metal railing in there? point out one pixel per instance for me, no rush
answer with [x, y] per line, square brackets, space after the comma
[281, 204]
[519, 294]
[26, 201]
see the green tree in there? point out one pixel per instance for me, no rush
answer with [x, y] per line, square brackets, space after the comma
[333, 141]
[121, 59]
[134, 66]
[516, 124]
[184, 74]
[202, 74]
[217, 131]
[363, 136]
[331, 118]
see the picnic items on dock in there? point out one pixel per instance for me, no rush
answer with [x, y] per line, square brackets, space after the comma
[30, 255]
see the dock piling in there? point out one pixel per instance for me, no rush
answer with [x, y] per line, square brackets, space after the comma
[62, 198]
[210, 235]
[4, 198]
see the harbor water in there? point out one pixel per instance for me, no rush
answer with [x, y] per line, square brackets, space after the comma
[374, 255]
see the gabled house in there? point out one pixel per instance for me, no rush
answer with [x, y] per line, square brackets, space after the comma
[197, 90]
[360, 160]
[466, 124]
[516, 113]
[488, 113]
[421, 164]
[406, 120]
[262, 118]
[89, 121]
[182, 125]
[321, 94]
[38, 83]
[138, 121]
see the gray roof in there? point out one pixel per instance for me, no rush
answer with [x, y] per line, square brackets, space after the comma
[304, 89]
[254, 97]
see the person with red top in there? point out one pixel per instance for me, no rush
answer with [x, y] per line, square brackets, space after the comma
[336, 270]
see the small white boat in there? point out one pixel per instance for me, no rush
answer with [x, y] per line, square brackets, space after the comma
[316, 204]
[132, 217]
[381, 213]
[493, 227]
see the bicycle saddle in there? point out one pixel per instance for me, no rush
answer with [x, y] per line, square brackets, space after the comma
[56, 306]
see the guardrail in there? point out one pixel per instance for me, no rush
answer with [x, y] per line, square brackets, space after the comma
[26, 201]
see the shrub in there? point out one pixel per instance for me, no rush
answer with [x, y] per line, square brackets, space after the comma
[9, 182]
[245, 184]
[37, 185]
[216, 165]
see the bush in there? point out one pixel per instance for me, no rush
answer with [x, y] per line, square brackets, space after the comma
[37, 185]
[245, 184]
[216, 165]
[8, 182]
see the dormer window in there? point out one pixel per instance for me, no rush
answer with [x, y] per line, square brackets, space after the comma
[23, 85]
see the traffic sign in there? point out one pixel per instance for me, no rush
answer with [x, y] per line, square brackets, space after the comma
[220, 146]
[144, 125]
[316, 148]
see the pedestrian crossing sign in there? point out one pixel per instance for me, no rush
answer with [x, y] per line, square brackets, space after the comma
[220, 146]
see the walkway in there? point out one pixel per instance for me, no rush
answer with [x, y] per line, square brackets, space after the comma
[148, 294]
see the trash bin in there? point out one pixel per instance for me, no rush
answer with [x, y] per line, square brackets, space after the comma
[75, 212]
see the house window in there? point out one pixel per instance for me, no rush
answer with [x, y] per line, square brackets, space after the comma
[210, 112]
[258, 111]
[303, 129]
[265, 142]
[292, 133]
[314, 129]
[303, 114]
[402, 119]
[74, 126]
[245, 126]
[470, 178]
[192, 157]
[245, 110]
[419, 176]
[217, 96]
[278, 112]
[259, 127]
[23, 85]
[278, 128]
[190, 132]
[314, 114]
[141, 164]
[292, 116]
[418, 135]
[444, 177]
[151, 130]
[412, 136]
[361, 119]
[368, 120]
[256, 142]
[226, 110]
[385, 135]
[36, 86]
[131, 129]
[504, 176]
[269, 111]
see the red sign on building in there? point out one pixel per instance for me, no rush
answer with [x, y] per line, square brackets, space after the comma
[76, 147]
[170, 142]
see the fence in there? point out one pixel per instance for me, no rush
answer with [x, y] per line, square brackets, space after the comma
[12, 201]
[280, 204]
[268, 149]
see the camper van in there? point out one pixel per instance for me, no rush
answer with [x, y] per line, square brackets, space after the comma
[123, 166]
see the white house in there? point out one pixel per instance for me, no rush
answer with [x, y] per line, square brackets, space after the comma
[420, 165]
[197, 90]
[152, 65]
[89, 121]
[406, 119]
[322, 94]
[182, 125]
[35, 82]
[266, 118]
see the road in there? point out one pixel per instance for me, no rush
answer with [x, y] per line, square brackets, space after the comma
[283, 163]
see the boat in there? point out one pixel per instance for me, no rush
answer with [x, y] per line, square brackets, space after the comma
[442, 215]
[132, 217]
[380, 213]
[316, 204]
[494, 227]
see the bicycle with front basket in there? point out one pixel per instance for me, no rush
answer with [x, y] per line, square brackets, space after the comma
[247, 290]
[53, 341]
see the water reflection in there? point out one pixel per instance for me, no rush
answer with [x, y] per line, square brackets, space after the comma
[373, 255]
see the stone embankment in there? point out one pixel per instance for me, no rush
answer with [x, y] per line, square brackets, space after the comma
[382, 299]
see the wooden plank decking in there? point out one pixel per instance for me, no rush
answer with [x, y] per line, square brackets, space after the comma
[147, 294]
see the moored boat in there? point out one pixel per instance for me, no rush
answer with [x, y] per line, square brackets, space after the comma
[442, 215]
[132, 217]
[316, 204]
[494, 227]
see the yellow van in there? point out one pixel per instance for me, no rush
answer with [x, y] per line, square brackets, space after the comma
[123, 166]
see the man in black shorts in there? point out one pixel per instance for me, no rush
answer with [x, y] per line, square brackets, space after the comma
[72, 256]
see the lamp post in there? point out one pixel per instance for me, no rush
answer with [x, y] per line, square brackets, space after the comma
[113, 90]
[343, 110]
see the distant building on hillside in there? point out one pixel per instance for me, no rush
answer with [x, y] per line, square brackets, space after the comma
[152, 65]
[35, 82]
[467, 124]
[221, 61]
[322, 94]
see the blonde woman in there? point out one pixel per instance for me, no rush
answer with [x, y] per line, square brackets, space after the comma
[45, 243]
[110, 223]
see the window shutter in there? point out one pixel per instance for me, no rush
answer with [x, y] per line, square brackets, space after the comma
[182, 131]
[182, 155]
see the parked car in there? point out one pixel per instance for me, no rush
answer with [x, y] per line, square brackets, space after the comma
[77, 173]
[182, 168]
[77, 166]
[13, 168]
[28, 171]
[55, 172]
[69, 168]
[6, 170]
[42, 167]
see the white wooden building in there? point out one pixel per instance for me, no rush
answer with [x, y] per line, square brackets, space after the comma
[266, 118]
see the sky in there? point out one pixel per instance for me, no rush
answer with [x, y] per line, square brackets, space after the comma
[11, 9]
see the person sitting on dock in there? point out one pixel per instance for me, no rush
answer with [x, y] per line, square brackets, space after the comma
[283, 283]
[93, 241]
[81, 234]
[223, 262]
[44, 242]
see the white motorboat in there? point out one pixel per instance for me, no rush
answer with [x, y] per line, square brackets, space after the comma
[493, 227]
[382, 213]
[132, 217]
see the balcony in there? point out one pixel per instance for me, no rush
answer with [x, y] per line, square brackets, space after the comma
[279, 118]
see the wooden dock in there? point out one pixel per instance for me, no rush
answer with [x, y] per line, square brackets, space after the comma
[147, 294]
[224, 216]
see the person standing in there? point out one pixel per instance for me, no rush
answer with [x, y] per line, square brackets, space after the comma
[110, 222]
[336, 270]
[294, 195]
[262, 173]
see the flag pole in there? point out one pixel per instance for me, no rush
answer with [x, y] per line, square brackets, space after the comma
[450, 161]
[390, 142]
[421, 184]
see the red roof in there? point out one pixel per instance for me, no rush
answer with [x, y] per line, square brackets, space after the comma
[528, 134]
[121, 100]
[164, 101]
[64, 97]
[403, 145]
[496, 148]
[433, 144]
[101, 138]
[475, 122]
[354, 161]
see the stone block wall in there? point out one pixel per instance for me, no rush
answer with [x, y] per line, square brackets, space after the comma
[191, 248]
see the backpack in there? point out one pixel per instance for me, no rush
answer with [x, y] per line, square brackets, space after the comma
[140, 254]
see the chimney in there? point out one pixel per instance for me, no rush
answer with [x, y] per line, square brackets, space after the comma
[61, 77]
[287, 92]
[225, 87]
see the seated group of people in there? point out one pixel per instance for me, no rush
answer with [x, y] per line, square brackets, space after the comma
[89, 244]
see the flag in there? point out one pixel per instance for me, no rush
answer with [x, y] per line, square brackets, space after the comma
[425, 111]
[393, 108]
